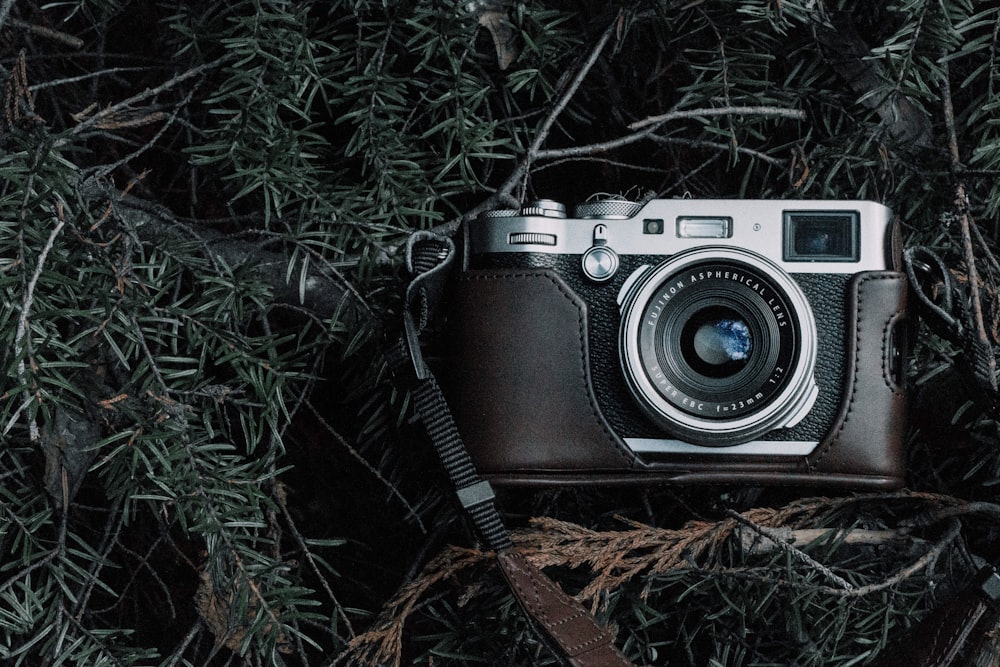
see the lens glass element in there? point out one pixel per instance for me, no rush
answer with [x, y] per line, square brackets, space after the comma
[716, 342]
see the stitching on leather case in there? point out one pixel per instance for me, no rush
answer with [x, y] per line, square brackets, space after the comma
[628, 456]
[971, 617]
[886, 361]
[857, 361]
[541, 610]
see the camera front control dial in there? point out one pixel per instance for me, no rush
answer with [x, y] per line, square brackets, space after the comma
[600, 262]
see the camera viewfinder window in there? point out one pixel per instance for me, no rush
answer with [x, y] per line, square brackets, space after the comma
[822, 236]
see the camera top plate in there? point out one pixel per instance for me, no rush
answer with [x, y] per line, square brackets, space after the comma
[800, 236]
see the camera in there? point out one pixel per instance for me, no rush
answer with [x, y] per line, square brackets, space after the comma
[685, 341]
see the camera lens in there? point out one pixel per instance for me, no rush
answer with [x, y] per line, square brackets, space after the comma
[698, 345]
[716, 342]
[718, 346]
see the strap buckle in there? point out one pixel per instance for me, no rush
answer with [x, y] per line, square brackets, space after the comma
[987, 584]
[475, 494]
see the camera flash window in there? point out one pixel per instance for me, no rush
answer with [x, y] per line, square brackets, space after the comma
[704, 228]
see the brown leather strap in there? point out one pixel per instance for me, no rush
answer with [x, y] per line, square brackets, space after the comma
[572, 629]
[938, 639]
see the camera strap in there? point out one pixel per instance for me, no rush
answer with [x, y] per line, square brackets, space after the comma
[560, 621]
[938, 640]
[946, 310]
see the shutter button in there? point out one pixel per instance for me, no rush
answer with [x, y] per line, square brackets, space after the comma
[600, 262]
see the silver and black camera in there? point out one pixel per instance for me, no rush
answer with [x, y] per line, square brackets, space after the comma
[681, 340]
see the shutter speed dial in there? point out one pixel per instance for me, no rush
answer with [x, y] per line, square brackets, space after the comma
[612, 208]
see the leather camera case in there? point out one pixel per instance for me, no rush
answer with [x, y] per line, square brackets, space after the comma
[519, 377]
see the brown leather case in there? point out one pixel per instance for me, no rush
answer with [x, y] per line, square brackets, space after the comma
[518, 378]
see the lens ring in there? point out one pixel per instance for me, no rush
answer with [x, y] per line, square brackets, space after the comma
[676, 388]
[743, 292]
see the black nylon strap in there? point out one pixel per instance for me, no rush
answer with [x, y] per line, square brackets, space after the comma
[433, 411]
[428, 259]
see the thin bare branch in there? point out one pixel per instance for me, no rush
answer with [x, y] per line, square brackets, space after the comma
[985, 361]
[683, 114]
[787, 547]
[20, 338]
[524, 166]
[411, 510]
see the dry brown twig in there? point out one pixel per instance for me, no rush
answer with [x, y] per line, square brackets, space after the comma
[383, 644]
[614, 558]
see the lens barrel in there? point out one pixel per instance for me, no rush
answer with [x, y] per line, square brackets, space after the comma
[718, 346]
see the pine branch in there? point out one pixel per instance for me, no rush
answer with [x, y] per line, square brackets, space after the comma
[5, 7]
[321, 292]
[615, 559]
[109, 115]
[284, 150]
[71, 41]
[523, 168]
[20, 343]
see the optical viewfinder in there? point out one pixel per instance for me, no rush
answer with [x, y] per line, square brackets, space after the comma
[822, 236]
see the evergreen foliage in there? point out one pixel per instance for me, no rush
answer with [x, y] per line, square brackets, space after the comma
[203, 460]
